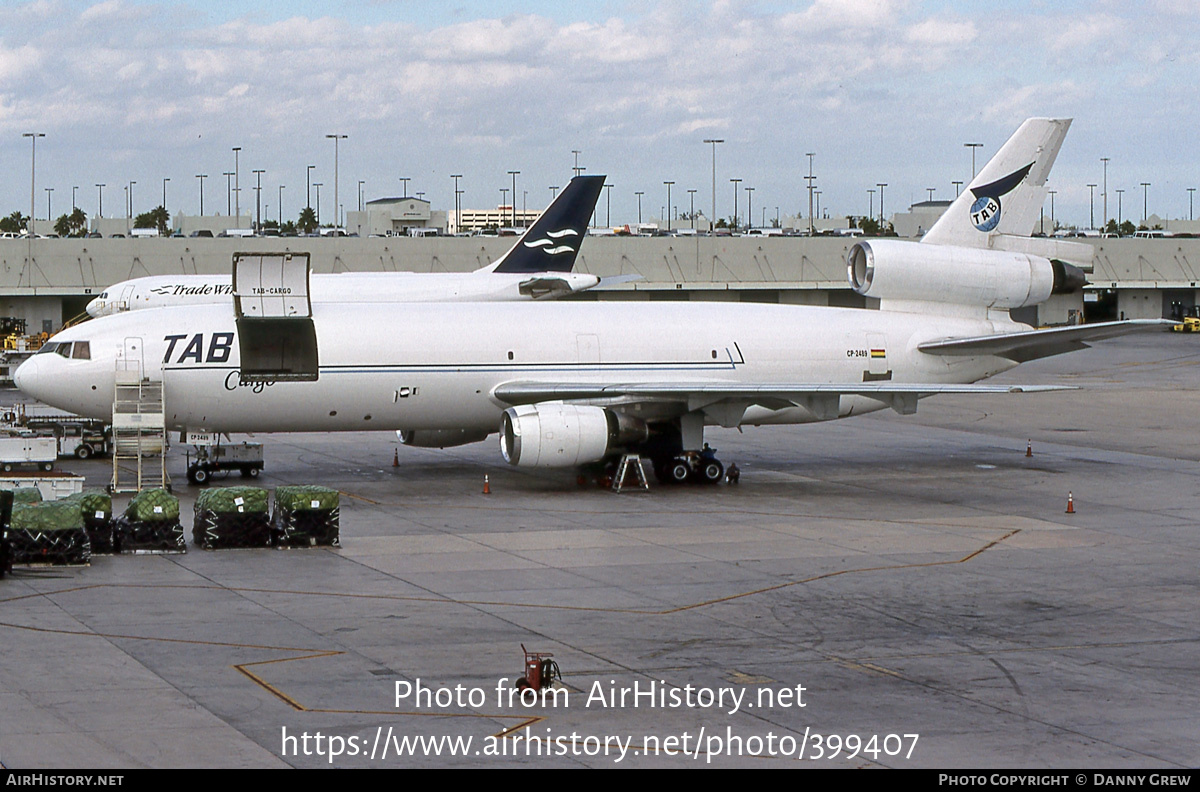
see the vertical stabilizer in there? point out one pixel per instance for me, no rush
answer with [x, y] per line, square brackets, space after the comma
[1006, 196]
[552, 243]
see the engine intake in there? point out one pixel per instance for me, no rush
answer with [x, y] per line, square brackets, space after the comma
[898, 270]
[564, 435]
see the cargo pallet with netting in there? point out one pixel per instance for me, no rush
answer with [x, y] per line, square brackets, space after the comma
[231, 517]
[49, 533]
[306, 516]
[150, 525]
[96, 509]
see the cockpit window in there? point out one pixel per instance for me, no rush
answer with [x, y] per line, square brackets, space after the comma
[78, 350]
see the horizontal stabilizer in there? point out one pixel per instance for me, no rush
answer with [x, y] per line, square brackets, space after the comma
[1080, 254]
[1034, 344]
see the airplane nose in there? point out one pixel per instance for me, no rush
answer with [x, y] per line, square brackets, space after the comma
[25, 377]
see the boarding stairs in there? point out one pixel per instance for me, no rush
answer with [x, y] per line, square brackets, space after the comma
[139, 433]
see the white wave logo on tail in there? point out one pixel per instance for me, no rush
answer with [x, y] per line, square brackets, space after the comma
[554, 235]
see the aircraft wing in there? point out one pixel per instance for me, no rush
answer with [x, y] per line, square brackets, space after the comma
[726, 402]
[1034, 344]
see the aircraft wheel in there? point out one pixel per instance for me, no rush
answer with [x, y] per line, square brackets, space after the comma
[680, 471]
[712, 471]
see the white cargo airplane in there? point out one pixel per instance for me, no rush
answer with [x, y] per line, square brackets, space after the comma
[569, 384]
[538, 266]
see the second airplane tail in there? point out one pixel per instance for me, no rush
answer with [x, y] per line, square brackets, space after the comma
[552, 243]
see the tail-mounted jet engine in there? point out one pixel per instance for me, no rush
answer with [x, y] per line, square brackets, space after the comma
[897, 270]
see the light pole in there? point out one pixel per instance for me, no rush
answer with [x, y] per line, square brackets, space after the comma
[360, 194]
[165, 180]
[131, 197]
[576, 169]
[258, 198]
[713, 220]
[503, 199]
[1120, 219]
[957, 185]
[871, 199]
[281, 208]
[668, 183]
[49, 213]
[553, 191]
[809, 178]
[33, 136]
[881, 214]
[1053, 222]
[973, 146]
[1091, 206]
[692, 211]
[73, 207]
[930, 191]
[308, 187]
[639, 194]
[736, 182]
[749, 208]
[1191, 191]
[608, 204]
[1145, 194]
[237, 184]
[457, 208]
[201, 177]
[514, 175]
[404, 180]
[228, 193]
[817, 193]
[100, 211]
[318, 186]
[336, 210]
[1104, 192]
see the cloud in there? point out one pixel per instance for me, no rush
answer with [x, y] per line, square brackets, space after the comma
[867, 82]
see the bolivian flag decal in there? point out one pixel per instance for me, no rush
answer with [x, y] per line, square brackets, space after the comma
[878, 353]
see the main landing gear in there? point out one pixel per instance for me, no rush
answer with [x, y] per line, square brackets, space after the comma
[695, 467]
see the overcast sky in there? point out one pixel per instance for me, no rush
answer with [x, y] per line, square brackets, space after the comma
[880, 90]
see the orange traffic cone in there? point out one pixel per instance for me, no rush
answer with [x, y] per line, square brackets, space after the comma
[1029, 449]
[396, 458]
[1070, 503]
[487, 488]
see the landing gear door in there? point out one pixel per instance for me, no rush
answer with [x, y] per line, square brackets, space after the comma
[276, 336]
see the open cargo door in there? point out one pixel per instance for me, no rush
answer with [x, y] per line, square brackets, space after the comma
[276, 336]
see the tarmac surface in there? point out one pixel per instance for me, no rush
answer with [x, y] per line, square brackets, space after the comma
[914, 575]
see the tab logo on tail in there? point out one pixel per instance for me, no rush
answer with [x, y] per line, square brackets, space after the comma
[985, 212]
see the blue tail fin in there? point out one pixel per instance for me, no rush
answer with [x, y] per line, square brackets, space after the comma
[552, 243]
